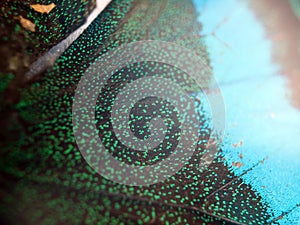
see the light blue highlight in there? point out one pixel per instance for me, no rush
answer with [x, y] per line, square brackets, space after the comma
[258, 111]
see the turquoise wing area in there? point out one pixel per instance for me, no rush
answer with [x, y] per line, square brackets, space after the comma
[258, 72]
[45, 179]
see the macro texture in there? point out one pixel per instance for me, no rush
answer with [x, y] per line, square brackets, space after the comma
[45, 180]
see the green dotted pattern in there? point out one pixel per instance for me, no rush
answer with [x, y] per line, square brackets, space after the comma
[50, 28]
[140, 116]
[55, 184]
